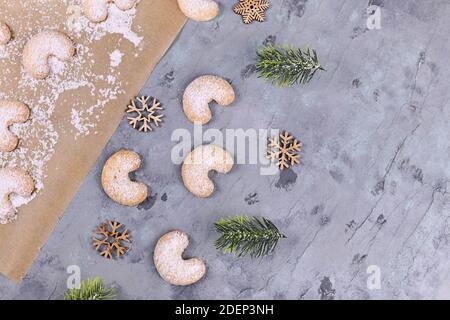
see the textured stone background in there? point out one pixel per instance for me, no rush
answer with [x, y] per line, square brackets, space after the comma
[372, 189]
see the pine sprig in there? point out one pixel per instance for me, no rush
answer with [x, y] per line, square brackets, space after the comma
[287, 66]
[90, 290]
[245, 235]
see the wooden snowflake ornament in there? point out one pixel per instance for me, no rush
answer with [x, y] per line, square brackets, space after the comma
[252, 10]
[143, 115]
[110, 238]
[284, 150]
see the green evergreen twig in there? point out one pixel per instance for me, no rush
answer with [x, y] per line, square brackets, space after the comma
[287, 66]
[90, 290]
[243, 235]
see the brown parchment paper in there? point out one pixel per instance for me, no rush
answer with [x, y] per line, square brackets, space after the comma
[159, 22]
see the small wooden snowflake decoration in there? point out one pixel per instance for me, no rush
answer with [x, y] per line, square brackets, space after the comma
[142, 115]
[110, 238]
[284, 150]
[252, 10]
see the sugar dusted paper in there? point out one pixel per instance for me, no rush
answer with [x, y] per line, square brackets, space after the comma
[76, 110]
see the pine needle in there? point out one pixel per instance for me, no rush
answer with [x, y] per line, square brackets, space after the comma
[90, 290]
[245, 235]
[287, 66]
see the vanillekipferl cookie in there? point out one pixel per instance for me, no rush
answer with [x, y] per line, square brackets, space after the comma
[197, 165]
[199, 10]
[116, 180]
[97, 10]
[11, 112]
[5, 33]
[13, 181]
[169, 262]
[41, 47]
[200, 92]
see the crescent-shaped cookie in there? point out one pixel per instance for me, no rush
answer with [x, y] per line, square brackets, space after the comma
[116, 180]
[11, 112]
[197, 165]
[169, 262]
[13, 181]
[200, 92]
[199, 10]
[41, 47]
[97, 10]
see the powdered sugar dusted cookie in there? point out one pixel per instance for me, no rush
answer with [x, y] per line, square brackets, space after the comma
[5, 33]
[199, 10]
[13, 181]
[169, 262]
[197, 165]
[41, 47]
[116, 181]
[200, 92]
[97, 10]
[11, 112]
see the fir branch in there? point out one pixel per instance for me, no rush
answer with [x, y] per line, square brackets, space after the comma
[90, 290]
[287, 66]
[243, 235]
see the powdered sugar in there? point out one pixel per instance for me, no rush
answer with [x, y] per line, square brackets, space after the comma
[116, 58]
[14, 181]
[11, 112]
[97, 10]
[56, 65]
[63, 90]
[42, 46]
[197, 165]
[169, 262]
[118, 22]
[116, 181]
[199, 10]
[202, 91]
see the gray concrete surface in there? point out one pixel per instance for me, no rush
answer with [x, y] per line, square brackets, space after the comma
[372, 189]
